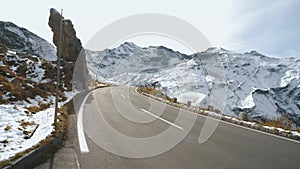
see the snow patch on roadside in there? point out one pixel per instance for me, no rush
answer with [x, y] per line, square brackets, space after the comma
[12, 140]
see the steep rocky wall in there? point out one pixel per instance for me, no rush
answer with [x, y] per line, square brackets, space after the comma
[70, 49]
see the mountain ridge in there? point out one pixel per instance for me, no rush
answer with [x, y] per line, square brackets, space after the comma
[22, 40]
[246, 76]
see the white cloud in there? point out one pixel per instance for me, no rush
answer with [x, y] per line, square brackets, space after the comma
[271, 27]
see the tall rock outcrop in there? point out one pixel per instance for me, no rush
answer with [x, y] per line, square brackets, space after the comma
[70, 49]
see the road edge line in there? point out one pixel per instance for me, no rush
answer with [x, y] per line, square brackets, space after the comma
[81, 137]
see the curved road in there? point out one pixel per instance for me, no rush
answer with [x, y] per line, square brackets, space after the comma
[134, 115]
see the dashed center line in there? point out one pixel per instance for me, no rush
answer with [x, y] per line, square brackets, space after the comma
[123, 96]
[164, 120]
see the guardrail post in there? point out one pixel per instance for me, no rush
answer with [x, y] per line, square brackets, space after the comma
[210, 108]
[189, 103]
[175, 100]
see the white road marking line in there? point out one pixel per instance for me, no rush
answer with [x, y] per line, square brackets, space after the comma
[258, 131]
[123, 96]
[164, 120]
[81, 137]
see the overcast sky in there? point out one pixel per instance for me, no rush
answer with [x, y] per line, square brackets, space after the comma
[271, 27]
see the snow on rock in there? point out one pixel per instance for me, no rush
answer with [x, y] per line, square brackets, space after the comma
[21, 40]
[38, 73]
[289, 76]
[248, 102]
[33, 71]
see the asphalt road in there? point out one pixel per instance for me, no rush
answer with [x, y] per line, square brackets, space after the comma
[131, 115]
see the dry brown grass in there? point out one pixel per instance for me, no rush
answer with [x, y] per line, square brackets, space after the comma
[217, 111]
[281, 122]
[35, 109]
[3, 79]
[5, 71]
[7, 128]
[24, 124]
[18, 91]
[170, 99]
[5, 163]
[154, 92]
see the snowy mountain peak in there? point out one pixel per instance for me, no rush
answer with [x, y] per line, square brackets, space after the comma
[127, 48]
[255, 53]
[216, 50]
[129, 45]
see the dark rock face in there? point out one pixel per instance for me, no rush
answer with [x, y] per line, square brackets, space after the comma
[70, 49]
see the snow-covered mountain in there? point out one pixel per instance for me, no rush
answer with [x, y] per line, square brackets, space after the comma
[130, 57]
[261, 86]
[21, 40]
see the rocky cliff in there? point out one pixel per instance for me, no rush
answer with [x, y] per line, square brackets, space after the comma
[70, 49]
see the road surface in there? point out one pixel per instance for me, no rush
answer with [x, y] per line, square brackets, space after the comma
[230, 146]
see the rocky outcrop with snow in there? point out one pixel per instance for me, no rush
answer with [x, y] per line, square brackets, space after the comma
[21, 40]
[258, 85]
[70, 49]
[25, 77]
[261, 86]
